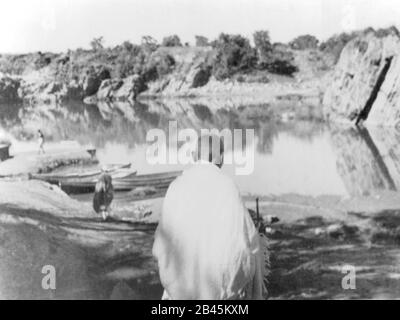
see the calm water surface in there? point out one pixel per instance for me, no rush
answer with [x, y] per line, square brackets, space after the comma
[294, 156]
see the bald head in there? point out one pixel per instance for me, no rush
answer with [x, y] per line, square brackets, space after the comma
[210, 147]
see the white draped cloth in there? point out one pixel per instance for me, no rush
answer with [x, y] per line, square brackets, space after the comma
[206, 244]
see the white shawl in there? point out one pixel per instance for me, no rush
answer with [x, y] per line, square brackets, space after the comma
[206, 244]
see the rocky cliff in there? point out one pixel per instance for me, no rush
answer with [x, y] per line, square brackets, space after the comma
[365, 84]
[192, 77]
[168, 72]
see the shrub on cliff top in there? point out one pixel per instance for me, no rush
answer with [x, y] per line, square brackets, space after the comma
[275, 58]
[233, 54]
[304, 42]
[149, 43]
[172, 41]
[201, 41]
[158, 65]
[130, 59]
[42, 60]
[335, 44]
[263, 45]
[97, 43]
[384, 32]
[279, 59]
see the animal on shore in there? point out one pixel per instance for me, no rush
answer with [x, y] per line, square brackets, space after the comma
[41, 142]
[103, 195]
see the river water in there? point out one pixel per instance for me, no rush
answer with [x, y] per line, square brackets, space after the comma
[290, 153]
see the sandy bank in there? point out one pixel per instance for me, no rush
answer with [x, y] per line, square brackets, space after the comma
[315, 238]
[40, 225]
[61, 154]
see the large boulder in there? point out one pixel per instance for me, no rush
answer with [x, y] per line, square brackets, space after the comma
[365, 84]
[105, 90]
[92, 80]
[191, 70]
[9, 90]
[131, 87]
[187, 76]
[119, 89]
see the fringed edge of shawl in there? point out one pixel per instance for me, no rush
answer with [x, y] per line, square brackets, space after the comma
[266, 266]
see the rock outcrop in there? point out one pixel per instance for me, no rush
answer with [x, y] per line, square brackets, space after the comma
[9, 90]
[44, 86]
[126, 89]
[93, 79]
[365, 85]
[190, 72]
[169, 72]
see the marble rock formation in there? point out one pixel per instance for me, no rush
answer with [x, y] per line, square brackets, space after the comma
[365, 84]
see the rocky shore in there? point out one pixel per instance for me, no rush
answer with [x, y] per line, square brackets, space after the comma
[362, 86]
[55, 82]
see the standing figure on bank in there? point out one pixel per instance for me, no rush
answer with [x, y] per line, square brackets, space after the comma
[41, 142]
[206, 244]
[103, 195]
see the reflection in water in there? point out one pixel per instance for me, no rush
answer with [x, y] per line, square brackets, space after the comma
[387, 142]
[360, 163]
[304, 157]
[202, 112]
[378, 158]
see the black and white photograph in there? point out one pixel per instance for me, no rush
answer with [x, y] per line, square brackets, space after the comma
[199, 150]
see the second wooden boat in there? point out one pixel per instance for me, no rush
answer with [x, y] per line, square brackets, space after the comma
[81, 176]
[158, 181]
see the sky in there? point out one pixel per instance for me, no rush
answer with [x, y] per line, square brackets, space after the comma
[58, 25]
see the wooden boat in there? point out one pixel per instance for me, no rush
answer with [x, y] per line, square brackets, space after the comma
[159, 181]
[119, 170]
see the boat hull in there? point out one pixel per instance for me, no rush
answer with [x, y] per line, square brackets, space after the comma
[158, 181]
